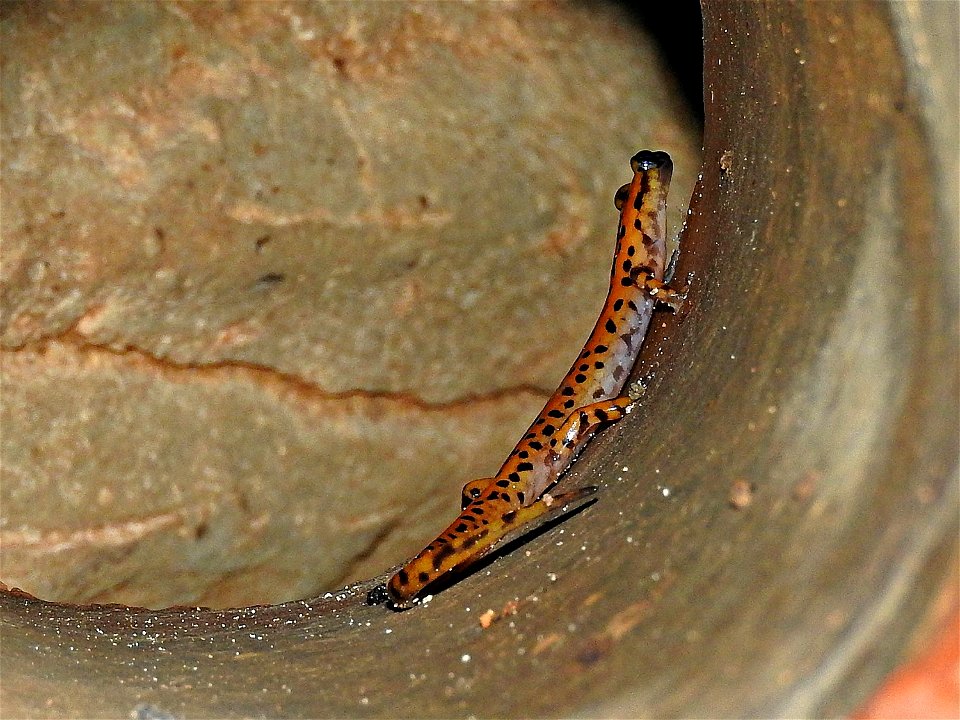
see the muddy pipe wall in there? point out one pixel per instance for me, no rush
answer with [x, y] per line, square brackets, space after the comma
[278, 279]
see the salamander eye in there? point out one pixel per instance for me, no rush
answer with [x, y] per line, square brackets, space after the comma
[621, 197]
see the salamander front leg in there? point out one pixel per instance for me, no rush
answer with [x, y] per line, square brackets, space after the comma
[661, 293]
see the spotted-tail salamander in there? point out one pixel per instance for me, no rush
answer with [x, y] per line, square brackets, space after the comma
[589, 396]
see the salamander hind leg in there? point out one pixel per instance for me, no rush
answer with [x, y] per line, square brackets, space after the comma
[465, 542]
[546, 509]
[471, 491]
[516, 522]
[583, 422]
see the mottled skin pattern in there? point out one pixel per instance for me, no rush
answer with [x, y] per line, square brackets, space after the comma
[589, 396]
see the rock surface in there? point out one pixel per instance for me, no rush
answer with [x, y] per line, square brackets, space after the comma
[277, 280]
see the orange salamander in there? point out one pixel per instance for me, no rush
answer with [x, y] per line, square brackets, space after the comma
[589, 396]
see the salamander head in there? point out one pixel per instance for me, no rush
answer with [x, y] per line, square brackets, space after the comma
[650, 159]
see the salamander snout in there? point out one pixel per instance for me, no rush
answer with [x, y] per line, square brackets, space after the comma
[650, 159]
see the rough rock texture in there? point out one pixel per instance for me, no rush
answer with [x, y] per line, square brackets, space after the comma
[816, 361]
[277, 280]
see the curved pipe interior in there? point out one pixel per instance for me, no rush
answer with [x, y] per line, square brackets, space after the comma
[803, 364]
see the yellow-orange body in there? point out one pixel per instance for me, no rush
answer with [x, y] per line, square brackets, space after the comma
[589, 395]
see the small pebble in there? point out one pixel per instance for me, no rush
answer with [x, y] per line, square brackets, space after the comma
[741, 494]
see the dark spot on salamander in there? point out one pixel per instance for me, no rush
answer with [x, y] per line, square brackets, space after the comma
[503, 483]
[618, 304]
[638, 224]
[524, 466]
[585, 353]
[515, 477]
[627, 264]
[599, 365]
[647, 240]
[461, 527]
[600, 349]
[523, 454]
[610, 326]
[423, 577]
[626, 281]
[631, 250]
[403, 577]
[536, 445]
[509, 516]
[549, 430]
[601, 415]
[598, 393]
[584, 367]
[568, 391]
[580, 378]
[440, 555]
[632, 305]
[569, 403]
[641, 193]
[553, 442]
[555, 414]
